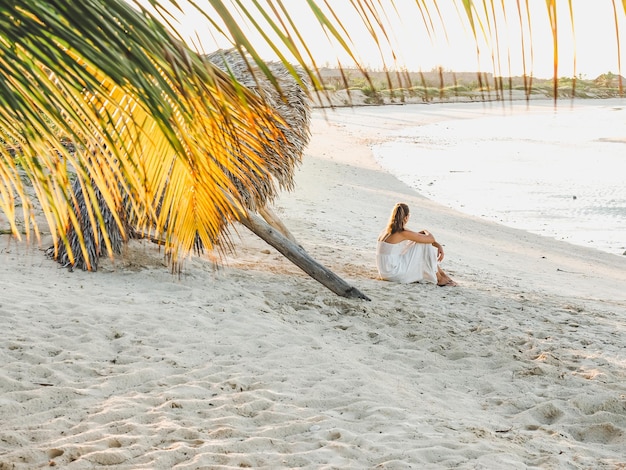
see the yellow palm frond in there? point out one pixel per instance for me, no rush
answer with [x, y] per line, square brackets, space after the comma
[161, 131]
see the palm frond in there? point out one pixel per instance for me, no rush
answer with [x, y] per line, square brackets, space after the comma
[154, 125]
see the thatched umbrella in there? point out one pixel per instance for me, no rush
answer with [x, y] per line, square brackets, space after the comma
[289, 98]
[292, 103]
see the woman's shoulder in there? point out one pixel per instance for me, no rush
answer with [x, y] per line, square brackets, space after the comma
[394, 238]
[406, 233]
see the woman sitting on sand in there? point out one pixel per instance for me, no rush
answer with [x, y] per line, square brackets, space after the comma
[406, 256]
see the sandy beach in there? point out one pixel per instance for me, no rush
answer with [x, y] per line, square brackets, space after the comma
[253, 364]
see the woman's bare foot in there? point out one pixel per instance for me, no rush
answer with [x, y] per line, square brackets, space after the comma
[444, 280]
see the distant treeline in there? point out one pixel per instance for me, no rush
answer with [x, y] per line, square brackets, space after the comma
[441, 83]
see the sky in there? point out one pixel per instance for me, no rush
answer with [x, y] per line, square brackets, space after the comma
[588, 52]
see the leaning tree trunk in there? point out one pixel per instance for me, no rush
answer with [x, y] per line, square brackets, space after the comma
[271, 218]
[299, 257]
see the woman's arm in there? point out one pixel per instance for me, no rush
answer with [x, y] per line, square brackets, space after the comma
[419, 237]
[424, 236]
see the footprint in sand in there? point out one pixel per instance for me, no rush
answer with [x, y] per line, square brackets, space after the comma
[602, 433]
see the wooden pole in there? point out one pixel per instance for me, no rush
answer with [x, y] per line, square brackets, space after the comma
[298, 256]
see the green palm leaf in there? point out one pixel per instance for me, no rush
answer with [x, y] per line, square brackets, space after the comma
[153, 124]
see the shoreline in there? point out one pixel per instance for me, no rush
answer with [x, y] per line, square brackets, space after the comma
[254, 364]
[507, 150]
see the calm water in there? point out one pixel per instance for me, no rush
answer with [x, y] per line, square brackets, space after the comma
[558, 173]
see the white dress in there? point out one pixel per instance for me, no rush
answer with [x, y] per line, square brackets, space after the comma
[406, 261]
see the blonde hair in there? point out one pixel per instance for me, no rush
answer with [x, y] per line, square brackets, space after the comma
[399, 214]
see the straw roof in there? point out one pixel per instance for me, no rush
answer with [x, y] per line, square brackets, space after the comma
[292, 104]
[291, 101]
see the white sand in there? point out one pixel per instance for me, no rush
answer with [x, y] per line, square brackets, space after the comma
[256, 365]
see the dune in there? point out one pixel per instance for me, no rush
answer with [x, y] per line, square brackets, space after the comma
[252, 364]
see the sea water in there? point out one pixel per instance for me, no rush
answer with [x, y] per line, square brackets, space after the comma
[556, 171]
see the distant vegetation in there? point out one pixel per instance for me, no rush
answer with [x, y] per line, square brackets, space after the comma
[439, 85]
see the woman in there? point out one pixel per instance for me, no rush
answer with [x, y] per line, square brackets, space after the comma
[406, 256]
